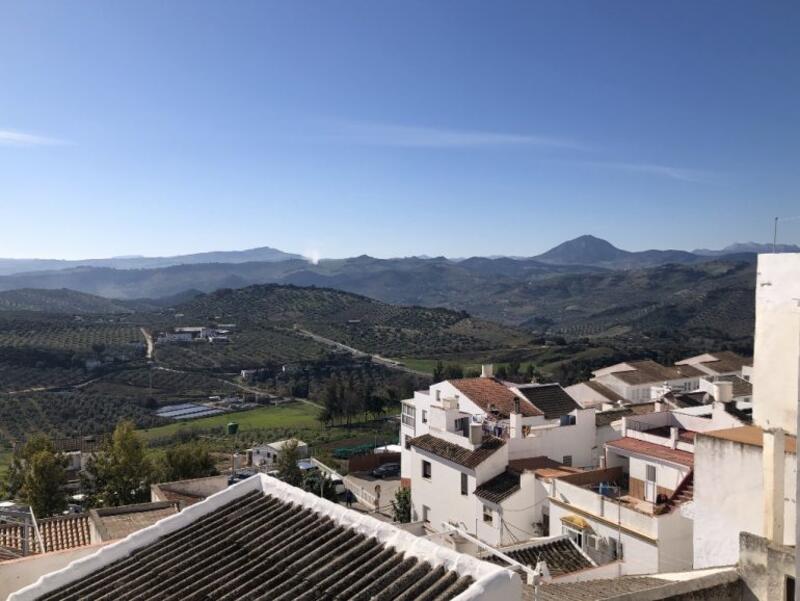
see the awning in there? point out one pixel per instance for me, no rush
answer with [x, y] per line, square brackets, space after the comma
[576, 522]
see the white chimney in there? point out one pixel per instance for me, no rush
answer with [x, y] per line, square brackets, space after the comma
[487, 370]
[475, 433]
[723, 391]
[773, 461]
[516, 420]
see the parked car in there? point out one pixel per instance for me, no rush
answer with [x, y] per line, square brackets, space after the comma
[338, 486]
[387, 470]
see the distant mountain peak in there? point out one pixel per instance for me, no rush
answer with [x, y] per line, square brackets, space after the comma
[586, 249]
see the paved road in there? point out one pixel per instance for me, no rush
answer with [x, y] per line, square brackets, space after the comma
[357, 353]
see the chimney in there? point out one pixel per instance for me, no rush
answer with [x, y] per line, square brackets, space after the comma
[773, 461]
[475, 433]
[673, 437]
[516, 420]
[487, 370]
[723, 391]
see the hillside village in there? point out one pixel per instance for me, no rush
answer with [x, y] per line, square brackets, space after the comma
[646, 481]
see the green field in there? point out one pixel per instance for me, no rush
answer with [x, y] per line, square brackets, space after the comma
[295, 415]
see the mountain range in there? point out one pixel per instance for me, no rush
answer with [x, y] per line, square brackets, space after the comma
[585, 286]
[264, 253]
[585, 250]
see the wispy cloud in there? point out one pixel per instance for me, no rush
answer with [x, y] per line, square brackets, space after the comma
[411, 136]
[17, 138]
[677, 173]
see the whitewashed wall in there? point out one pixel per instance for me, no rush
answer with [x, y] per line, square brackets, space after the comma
[728, 489]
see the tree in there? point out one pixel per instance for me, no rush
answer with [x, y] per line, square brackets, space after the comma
[15, 476]
[530, 372]
[186, 461]
[453, 371]
[438, 372]
[321, 486]
[120, 473]
[288, 470]
[401, 505]
[37, 476]
[44, 482]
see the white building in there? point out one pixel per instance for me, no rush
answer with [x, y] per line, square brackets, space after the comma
[267, 455]
[471, 448]
[745, 476]
[638, 509]
[634, 380]
[722, 363]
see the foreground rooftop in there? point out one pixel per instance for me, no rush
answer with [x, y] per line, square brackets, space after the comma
[264, 539]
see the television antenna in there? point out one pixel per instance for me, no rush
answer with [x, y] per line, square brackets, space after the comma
[775, 230]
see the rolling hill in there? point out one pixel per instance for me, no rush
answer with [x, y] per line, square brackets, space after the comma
[59, 301]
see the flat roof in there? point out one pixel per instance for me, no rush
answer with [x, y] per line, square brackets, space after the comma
[749, 435]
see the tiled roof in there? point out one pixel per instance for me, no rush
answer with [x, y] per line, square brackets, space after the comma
[647, 371]
[58, 533]
[269, 544]
[604, 391]
[596, 590]
[651, 449]
[604, 418]
[561, 555]
[650, 372]
[492, 395]
[455, 453]
[741, 387]
[726, 362]
[500, 487]
[550, 399]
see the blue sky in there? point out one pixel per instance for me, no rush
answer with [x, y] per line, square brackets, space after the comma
[395, 128]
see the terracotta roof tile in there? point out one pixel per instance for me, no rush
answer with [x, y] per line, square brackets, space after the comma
[58, 533]
[490, 393]
[634, 445]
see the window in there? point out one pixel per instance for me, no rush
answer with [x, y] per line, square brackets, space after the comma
[651, 473]
[409, 415]
[464, 482]
[426, 470]
[426, 514]
[424, 416]
[488, 518]
[789, 596]
[567, 460]
[567, 420]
